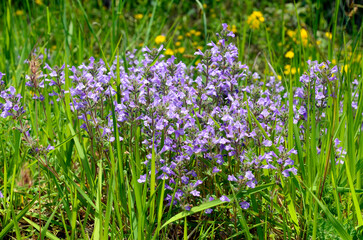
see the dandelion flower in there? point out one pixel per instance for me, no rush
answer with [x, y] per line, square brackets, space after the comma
[160, 39]
[329, 35]
[289, 54]
[169, 52]
[138, 16]
[181, 50]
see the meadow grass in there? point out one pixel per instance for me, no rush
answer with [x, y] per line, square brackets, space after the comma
[79, 192]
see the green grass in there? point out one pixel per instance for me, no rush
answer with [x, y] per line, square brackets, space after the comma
[78, 192]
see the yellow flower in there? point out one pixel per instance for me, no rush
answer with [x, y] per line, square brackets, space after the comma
[333, 61]
[200, 47]
[289, 54]
[291, 33]
[188, 34]
[293, 70]
[303, 33]
[279, 77]
[318, 42]
[180, 37]
[54, 47]
[328, 35]
[194, 43]
[141, 44]
[177, 44]
[169, 52]
[204, 5]
[160, 39]
[39, 2]
[138, 16]
[192, 31]
[255, 19]
[19, 12]
[358, 58]
[213, 15]
[233, 28]
[289, 70]
[345, 68]
[198, 33]
[181, 50]
[197, 62]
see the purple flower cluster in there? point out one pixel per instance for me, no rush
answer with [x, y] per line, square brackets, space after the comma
[10, 104]
[197, 118]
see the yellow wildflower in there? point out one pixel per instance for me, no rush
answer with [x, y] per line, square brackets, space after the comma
[160, 39]
[180, 37]
[19, 12]
[289, 54]
[181, 50]
[192, 31]
[358, 58]
[318, 42]
[255, 19]
[303, 33]
[198, 33]
[177, 44]
[141, 44]
[188, 34]
[138, 16]
[233, 28]
[289, 69]
[204, 5]
[194, 43]
[333, 61]
[328, 35]
[213, 15]
[279, 77]
[197, 62]
[200, 47]
[39, 2]
[54, 47]
[169, 52]
[290, 33]
[345, 68]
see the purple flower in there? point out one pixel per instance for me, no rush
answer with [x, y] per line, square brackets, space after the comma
[1, 195]
[251, 184]
[286, 172]
[195, 193]
[244, 205]
[50, 147]
[142, 178]
[184, 180]
[337, 142]
[232, 178]
[208, 211]
[224, 199]
[249, 175]
[267, 143]
[187, 207]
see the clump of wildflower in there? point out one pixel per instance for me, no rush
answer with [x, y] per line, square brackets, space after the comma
[255, 20]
